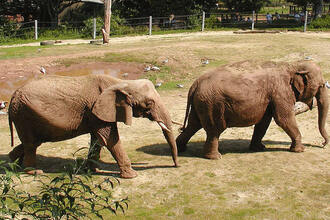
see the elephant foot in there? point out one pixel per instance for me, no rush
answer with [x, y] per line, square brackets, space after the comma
[213, 156]
[128, 173]
[34, 172]
[297, 149]
[257, 147]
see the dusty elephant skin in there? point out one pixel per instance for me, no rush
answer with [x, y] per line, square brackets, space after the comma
[56, 108]
[223, 99]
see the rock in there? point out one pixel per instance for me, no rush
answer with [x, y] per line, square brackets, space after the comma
[155, 68]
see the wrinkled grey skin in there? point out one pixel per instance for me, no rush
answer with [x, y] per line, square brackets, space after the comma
[56, 108]
[222, 99]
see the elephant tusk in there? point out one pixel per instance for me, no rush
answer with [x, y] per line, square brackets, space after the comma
[163, 126]
[177, 123]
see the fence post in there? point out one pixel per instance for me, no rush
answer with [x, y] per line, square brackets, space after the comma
[252, 25]
[94, 28]
[203, 21]
[150, 25]
[36, 29]
[306, 18]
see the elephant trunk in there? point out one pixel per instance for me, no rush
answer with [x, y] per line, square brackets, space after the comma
[166, 124]
[323, 106]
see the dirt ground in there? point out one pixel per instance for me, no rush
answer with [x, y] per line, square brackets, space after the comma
[275, 184]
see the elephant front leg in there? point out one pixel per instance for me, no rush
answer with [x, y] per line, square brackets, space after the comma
[287, 121]
[110, 137]
[211, 145]
[259, 132]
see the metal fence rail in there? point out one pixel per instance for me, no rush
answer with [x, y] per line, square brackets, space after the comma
[148, 25]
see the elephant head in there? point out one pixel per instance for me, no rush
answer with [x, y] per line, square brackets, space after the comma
[307, 82]
[137, 98]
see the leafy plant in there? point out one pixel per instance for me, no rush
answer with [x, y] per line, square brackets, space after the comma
[70, 195]
[323, 22]
[8, 193]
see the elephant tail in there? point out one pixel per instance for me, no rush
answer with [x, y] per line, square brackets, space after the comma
[189, 103]
[11, 130]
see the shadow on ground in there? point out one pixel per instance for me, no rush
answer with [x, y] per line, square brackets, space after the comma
[57, 165]
[51, 164]
[195, 149]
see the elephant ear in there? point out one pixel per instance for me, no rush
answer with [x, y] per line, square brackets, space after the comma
[114, 105]
[299, 82]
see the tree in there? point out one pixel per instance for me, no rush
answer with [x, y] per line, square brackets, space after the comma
[160, 8]
[107, 20]
[317, 5]
[244, 5]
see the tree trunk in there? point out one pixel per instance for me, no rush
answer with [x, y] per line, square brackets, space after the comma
[107, 18]
[318, 8]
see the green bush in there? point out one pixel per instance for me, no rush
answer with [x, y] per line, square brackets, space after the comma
[66, 196]
[194, 21]
[118, 27]
[88, 29]
[212, 22]
[8, 28]
[321, 23]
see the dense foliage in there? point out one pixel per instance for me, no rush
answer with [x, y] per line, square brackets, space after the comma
[245, 5]
[65, 196]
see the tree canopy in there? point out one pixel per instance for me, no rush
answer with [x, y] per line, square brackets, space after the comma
[49, 10]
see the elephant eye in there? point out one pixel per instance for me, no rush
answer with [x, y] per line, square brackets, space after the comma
[149, 103]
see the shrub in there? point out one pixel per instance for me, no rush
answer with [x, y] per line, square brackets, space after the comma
[320, 23]
[194, 21]
[212, 22]
[118, 26]
[69, 195]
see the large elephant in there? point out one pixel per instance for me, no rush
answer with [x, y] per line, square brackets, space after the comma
[221, 99]
[56, 108]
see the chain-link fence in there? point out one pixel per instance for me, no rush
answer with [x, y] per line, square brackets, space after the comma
[91, 28]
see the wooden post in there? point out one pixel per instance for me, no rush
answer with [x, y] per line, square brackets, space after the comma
[94, 28]
[306, 18]
[150, 25]
[252, 25]
[107, 17]
[203, 21]
[35, 29]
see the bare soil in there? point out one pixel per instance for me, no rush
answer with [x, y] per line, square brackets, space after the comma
[275, 184]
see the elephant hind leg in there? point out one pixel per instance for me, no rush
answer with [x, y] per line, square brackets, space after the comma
[260, 131]
[211, 146]
[17, 153]
[193, 126]
[29, 159]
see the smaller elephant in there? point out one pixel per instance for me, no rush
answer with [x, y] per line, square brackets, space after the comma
[222, 99]
[56, 108]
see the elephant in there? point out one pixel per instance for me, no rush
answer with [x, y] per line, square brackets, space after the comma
[223, 98]
[56, 108]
